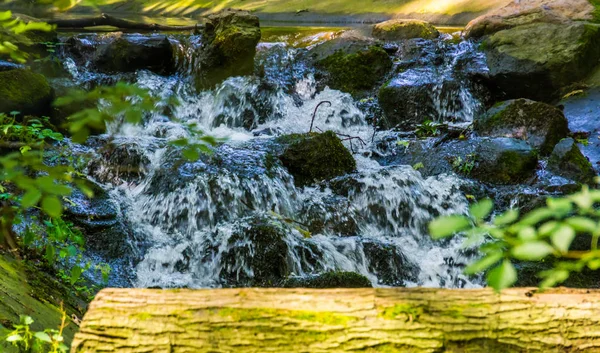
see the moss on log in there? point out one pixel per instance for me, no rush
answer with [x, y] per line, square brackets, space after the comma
[416, 320]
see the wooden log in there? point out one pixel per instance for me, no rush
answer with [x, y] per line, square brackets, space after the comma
[415, 320]
[108, 20]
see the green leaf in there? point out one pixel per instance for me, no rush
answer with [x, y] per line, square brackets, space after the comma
[562, 238]
[507, 217]
[14, 338]
[563, 206]
[553, 277]
[484, 263]
[190, 154]
[502, 276]
[31, 198]
[75, 274]
[448, 225]
[52, 206]
[527, 233]
[532, 251]
[536, 216]
[482, 209]
[26, 320]
[42, 336]
[582, 224]
[594, 264]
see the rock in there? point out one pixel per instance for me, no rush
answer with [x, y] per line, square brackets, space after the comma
[535, 60]
[387, 262]
[315, 157]
[518, 13]
[120, 162]
[540, 124]
[256, 254]
[400, 29]
[567, 161]
[26, 92]
[229, 45]
[7, 66]
[351, 65]
[504, 161]
[329, 280]
[331, 215]
[132, 52]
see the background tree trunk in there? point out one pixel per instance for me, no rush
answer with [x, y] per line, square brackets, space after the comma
[108, 20]
[415, 320]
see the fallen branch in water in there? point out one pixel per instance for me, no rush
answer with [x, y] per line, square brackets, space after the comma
[349, 138]
[108, 20]
[312, 121]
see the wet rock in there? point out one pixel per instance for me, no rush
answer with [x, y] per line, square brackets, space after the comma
[120, 162]
[400, 29]
[567, 161]
[7, 66]
[331, 215]
[351, 65]
[132, 52]
[329, 280]
[315, 157]
[387, 262]
[518, 13]
[504, 161]
[229, 45]
[256, 254]
[26, 92]
[535, 60]
[540, 124]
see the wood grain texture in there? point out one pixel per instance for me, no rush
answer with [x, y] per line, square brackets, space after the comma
[415, 320]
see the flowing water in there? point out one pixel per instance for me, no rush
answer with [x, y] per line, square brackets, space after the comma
[191, 221]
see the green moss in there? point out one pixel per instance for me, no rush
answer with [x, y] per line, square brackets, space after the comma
[404, 29]
[410, 312]
[596, 13]
[259, 314]
[333, 279]
[357, 71]
[316, 157]
[24, 91]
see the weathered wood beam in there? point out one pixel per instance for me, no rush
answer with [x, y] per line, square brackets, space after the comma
[415, 320]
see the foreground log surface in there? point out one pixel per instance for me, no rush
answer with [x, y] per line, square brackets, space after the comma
[404, 320]
[108, 20]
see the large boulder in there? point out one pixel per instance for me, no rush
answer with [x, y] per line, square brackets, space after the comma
[540, 124]
[132, 52]
[567, 161]
[537, 59]
[518, 13]
[504, 161]
[26, 92]
[315, 157]
[400, 29]
[351, 65]
[229, 45]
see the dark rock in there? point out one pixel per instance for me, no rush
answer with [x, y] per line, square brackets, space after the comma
[229, 45]
[256, 254]
[7, 66]
[567, 161]
[504, 161]
[540, 124]
[329, 280]
[120, 162]
[387, 262]
[351, 65]
[132, 52]
[26, 92]
[332, 215]
[535, 60]
[404, 29]
[315, 157]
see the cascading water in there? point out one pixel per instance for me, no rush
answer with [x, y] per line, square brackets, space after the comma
[194, 222]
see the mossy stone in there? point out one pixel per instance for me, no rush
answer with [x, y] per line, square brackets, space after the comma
[568, 161]
[401, 29]
[540, 124]
[315, 157]
[504, 161]
[333, 279]
[26, 92]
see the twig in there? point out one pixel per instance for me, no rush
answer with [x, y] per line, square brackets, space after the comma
[312, 121]
[349, 138]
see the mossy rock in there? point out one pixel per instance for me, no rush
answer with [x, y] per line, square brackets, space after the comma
[568, 161]
[129, 53]
[504, 161]
[230, 40]
[26, 92]
[535, 60]
[333, 279]
[400, 29]
[256, 254]
[540, 124]
[352, 66]
[316, 157]
[24, 290]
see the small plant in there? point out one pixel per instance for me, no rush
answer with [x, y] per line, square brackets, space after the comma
[542, 234]
[418, 166]
[47, 341]
[464, 166]
[403, 143]
[427, 129]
